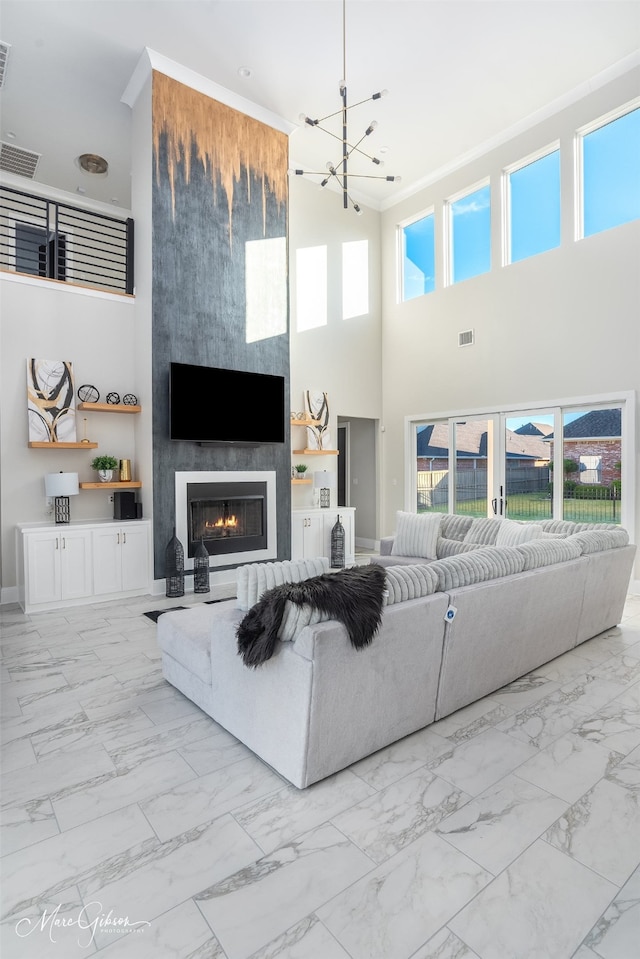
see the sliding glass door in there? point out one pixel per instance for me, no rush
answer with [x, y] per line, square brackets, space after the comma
[505, 463]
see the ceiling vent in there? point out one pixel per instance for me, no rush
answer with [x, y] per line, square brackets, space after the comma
[16, 160]
[4, 56]
[466, 338]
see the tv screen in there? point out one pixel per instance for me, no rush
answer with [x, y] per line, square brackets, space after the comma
[210, 405]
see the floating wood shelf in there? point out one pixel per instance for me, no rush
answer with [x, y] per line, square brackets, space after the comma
[301, 482]
[63, 446]
[307, 422]
[315, 452]
[108, 408]
[133, 484]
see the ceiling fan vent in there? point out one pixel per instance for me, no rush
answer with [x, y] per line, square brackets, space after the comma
[466, 338]
[4, 56]
[16, 160]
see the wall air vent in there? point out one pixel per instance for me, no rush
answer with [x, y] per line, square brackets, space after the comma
[4, 56]
[466, 338]
[16, 160]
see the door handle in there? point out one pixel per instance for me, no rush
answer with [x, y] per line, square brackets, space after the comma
[494, 506]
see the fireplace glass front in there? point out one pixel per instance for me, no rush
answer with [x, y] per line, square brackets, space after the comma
[227, 517]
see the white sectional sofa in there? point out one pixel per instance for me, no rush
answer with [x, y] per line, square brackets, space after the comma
[454, 629]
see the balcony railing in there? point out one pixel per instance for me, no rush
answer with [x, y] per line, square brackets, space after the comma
[62, 242]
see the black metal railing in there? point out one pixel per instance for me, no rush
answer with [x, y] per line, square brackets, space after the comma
[62, 242]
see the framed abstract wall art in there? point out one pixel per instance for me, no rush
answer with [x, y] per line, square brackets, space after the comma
[51, 401]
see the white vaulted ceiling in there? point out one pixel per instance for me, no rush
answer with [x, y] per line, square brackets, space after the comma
[460, 74]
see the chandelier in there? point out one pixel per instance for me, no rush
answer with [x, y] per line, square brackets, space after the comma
[339, 170]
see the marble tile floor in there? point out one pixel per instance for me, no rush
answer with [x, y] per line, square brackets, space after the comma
[133, 826]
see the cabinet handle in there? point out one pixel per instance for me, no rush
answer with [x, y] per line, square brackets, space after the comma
[57, 543]
[124, 537]
[64, 543]
[118, 540]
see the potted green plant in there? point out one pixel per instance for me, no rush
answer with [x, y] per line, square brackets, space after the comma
[301, 469]
[105, 466]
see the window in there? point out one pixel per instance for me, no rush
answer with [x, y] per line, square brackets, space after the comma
[532, 198]
[417, 256]
[469, 227]
[355, 278]
[265, 288]
[610, 183]
[311, 287]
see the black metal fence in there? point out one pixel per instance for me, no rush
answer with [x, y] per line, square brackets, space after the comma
[62, 242]
[529, 495]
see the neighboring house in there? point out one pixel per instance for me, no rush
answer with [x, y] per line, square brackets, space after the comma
[594, 441]
[471, 443]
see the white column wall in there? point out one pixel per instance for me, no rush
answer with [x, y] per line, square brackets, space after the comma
[344, 357]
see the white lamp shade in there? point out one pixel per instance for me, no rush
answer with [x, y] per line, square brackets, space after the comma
[61, 484]
[325, 479]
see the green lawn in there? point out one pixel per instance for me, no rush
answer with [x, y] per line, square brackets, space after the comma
[527, 506]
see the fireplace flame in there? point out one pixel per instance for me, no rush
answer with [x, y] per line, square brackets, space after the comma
[229, 522]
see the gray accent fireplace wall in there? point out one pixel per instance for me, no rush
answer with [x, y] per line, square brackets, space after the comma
[219, 183]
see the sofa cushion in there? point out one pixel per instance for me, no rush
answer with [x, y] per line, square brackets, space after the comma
[410, 582]
[511, 533]
[595, 540]
[295, 619]
[454, 526]
[416, 534]
[254, 579]
[482, 532]
[545, 552]
[477, 566]
[185, 634]
[451, 547]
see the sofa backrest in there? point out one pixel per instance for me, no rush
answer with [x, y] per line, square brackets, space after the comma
[254, 579]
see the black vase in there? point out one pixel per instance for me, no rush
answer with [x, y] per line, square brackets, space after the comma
[337, 545]
[174, 566]
[201, 569]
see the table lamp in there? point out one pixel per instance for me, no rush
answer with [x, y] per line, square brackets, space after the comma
[61, 486]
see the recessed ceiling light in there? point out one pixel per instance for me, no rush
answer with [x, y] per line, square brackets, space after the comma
[244, 72]
[383, 149]
[93, 164]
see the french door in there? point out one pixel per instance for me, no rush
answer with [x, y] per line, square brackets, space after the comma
[505, 463]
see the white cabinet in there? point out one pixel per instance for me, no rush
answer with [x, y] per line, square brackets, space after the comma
[58, 566]
[61, 566]
[121, 558]
[311, 532]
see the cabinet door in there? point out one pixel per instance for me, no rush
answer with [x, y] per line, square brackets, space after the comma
[307, 534]
[76, 564]
[107, 560]
[42, 560]
[134, 541]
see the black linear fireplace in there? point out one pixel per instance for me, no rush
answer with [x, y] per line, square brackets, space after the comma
[228, 517]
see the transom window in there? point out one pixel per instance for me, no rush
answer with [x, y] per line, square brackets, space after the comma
[608, 153]
[469, 231]
[532, 206]
[417, 256]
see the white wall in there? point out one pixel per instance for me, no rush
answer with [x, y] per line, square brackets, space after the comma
[564, 323]
[343, 358]
[45, 319]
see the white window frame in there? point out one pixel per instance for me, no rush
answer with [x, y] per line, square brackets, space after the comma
[578, 159]
[448, 227]
[506, 193]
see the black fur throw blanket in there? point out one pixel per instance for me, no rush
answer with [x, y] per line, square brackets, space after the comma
[354, 596]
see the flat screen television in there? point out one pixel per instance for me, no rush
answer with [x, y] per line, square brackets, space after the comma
[211, 405]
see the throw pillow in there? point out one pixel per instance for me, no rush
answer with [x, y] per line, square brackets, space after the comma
[511, 533]
[416, 534]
